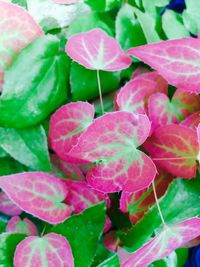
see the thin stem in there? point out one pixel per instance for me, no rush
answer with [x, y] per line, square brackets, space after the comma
[100, 92]
[43, 231]
[157, 203]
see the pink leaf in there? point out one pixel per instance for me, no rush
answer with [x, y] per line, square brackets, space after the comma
[170, 238]
[175, 148]
[7, 206]
[111, 241]
[163, 112]
[39, 194]
[71, 171]
[134, 95]
[111, 142]
[136, 204]
[192, 121]
[50, 250]
[18, 29]
[67, 124]
[176, 60]
[97, 51]
[25, 226]
[81, 196]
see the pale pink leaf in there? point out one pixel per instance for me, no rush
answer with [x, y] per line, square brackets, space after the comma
[50, 250]
[96, 50]
[67, 124]
[66, 2]
[170, 238]
[7, 206]
[176, 60]
[25, 226]
[81, 196]
[192, 121]
[70, 171]
[18, 29]
[134, 95]
[111, 142]
[137, 204]
[39, 194]
[175, 148]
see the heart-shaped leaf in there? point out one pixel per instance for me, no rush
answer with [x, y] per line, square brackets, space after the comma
[138, 203]
[39, 194]
[81, 196]
[49, 250]
[134, 95]
[170, 238]
[106, 142]
[175, 148]
[163, 112]
[25, 226]
[18, 29]
[7, 206]
[97, 51]
[176, 60]
[66, 126]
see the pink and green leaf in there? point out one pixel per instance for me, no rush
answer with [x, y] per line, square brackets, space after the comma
[7, 206]
[39, 194]
[170, 238]
[111, 142]
[111, 241]
[134, 95]
[97, 51]
[66, 126]
[174, 148]
[49, 250]
[137, 204]
[176, 60]
[192, 121]
[18, 29]
[66, 170]
[81, 196]
[25, 226]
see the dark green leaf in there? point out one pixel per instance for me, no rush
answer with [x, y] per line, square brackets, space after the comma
[83, 232]
[35, 84]
[89, 21]
[103, 255]
[128, 30]
[8, 243]
[3, 223]
[22, 3]
[10, 166]
[28, 146]
[84, 82]
[180, 202]
[103, 5]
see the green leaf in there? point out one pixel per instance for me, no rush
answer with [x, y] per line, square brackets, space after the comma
[147, 21]
[22, 3]
[28, 146]
[84, 84]
[113, 261]
[89, 21]
[3, 223]
[10, 166]
[103, 5]
[180, 202]
[178, 30]
[191, 16]
[83, 232]
[35, 84]
[128, 30]
[3, 153]
[8, 243]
